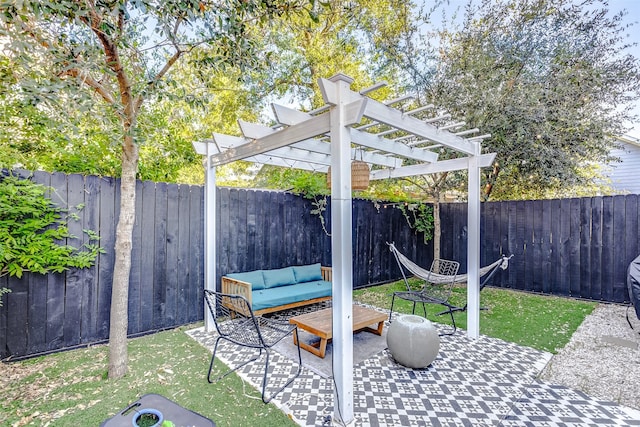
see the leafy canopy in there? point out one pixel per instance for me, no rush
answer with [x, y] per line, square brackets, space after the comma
[549, 80]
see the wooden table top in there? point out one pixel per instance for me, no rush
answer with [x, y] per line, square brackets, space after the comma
[320, 323]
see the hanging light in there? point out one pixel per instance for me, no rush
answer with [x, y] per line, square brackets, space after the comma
[359, 175]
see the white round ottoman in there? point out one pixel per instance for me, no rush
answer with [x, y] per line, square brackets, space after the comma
[413, 341]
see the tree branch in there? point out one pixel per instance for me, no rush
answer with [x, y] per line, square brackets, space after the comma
[93, 21]
[89, 81]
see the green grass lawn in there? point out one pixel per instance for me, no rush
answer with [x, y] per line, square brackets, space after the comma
[71, 388]
[539, 321]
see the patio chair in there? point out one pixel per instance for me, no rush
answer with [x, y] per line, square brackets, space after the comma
[433, 292]
[236, 323]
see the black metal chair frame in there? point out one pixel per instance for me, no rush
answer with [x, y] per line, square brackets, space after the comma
[430, 292]
[236, 323]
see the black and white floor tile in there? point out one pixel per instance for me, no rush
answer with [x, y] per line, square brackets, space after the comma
[473, 382]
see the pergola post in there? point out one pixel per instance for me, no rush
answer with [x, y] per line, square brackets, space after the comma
[341, 255]
[209, 225]
[473, 246]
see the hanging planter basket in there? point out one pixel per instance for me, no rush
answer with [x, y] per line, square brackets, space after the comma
[359, 175]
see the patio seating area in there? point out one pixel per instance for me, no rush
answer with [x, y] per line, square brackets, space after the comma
[472, 382]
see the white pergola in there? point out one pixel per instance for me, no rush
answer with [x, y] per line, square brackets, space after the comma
[352, 126]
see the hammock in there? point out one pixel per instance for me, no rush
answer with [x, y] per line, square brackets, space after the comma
[439, 279]
[438, 286]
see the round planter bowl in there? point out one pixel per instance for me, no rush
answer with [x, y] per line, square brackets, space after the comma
[413, 341]
[151, 411]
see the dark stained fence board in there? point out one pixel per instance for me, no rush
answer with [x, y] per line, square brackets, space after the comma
[534, 216]
[631, 232]
[160, 256]
[524, 266]
[238, 224]
[89, 276]
[36, 315]
[251, 224]
[171, 265]
[504, 245]
[276, 229]
[257, 221]
[546, 247]
[137, 272]
[529, 260]
[107, 227]
[446, 231]
[223, 234]
[184, 276]
[596, 248]
[620, 259]
[291, 233]
[514, 248]
[555, 244]
[564, 267]
[16, 304]
[147, 278]
[608, 242]
[585, 248]
[574, 242]
[56, 281]
[74, 277]
[3, 319]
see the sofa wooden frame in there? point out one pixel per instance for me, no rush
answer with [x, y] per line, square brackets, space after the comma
[238, 287]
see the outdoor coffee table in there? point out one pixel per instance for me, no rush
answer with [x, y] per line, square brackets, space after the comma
[320, 324]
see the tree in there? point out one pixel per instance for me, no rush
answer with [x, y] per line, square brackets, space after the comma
[122, 52]
[344, 37]
[548, 80]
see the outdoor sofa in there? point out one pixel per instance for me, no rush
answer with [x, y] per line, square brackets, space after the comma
[280, 289]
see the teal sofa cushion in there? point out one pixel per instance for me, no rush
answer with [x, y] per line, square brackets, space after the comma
[278, 277]
[254, 277]
[273, 297]
[307, 273]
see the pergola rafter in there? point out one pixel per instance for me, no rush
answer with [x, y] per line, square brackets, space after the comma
[352, 126]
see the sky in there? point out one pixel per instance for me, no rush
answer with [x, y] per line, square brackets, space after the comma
[615, 6]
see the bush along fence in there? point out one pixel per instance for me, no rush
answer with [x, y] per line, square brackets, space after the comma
[563, 247]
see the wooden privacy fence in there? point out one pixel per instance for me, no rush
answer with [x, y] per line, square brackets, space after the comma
[570, 247]
[55, 311]
[256, 230]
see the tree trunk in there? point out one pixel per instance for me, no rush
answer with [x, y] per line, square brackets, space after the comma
[491, 180]
[119, 322]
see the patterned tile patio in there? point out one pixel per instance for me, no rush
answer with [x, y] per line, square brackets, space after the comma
[483, 382]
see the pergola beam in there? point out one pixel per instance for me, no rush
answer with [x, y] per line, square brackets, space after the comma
[381, 113]
[315, 126]
[484, 160]
[379, 143]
